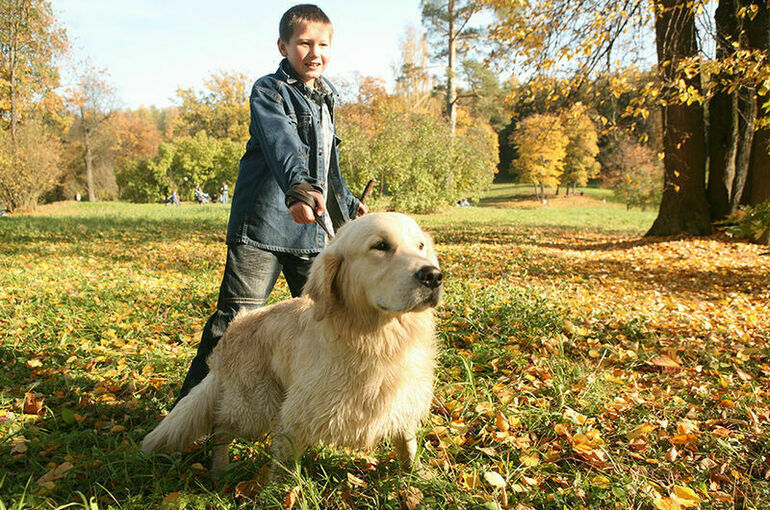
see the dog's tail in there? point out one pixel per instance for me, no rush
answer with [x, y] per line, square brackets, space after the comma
[191, 419]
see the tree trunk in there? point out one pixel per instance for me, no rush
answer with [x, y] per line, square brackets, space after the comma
[731, 120]
[451, 96]
[757, 188]
[88, 158]
[683, 207]
[12, 64]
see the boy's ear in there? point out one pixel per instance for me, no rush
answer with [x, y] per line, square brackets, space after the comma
[282, 47]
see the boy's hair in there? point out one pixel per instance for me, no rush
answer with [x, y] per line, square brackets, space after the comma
[302, 13]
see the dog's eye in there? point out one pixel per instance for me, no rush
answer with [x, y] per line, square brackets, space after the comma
[381, 246]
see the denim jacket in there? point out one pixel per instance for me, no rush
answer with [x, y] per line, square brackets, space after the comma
[285, 149]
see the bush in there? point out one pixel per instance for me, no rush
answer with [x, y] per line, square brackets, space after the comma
[635, 174]
[29, 171]
[419, 166]
[751, 223]
[181, 164]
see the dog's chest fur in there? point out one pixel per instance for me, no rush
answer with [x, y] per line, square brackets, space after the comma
[354, 400]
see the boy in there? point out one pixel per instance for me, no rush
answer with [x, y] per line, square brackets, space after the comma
[291, 161]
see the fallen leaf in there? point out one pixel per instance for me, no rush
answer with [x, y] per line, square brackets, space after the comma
[685, 496]
[640, 431]
[54, 474]
[494, 479]
[411, 497]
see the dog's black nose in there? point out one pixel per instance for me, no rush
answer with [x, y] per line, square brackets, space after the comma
[430, 276]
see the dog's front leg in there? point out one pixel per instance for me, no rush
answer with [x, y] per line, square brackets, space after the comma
[220, 453]
[406, 449]
[286, 452]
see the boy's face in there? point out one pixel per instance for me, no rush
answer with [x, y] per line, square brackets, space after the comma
[308, 50]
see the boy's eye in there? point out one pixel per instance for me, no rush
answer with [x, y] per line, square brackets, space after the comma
[381, 246]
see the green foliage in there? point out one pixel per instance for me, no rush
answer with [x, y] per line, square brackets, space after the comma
[182, 164]
[751, 223]
[417, 163]
[222, 109]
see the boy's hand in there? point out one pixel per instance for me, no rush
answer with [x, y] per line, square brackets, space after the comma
[302, 213]
[362, 209]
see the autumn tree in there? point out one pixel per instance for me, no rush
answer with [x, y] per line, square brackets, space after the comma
[29, 166]
[93, 102]
[413, 80]
[683, 207]
[136, 135]
[580, 162]
[635, 174]
[30, 42]
[221, 108]
[448, 23]
[541, 144]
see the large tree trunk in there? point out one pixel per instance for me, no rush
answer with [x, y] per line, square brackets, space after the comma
[757, 188]
[683, 207]
[731, 123]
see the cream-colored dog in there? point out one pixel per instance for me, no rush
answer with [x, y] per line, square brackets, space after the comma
[348, 363]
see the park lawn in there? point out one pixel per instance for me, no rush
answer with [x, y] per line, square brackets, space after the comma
[581, 365]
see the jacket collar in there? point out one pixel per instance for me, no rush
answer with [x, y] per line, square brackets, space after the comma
[289, 75]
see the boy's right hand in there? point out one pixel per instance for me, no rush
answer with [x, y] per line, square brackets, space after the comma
[302, 213]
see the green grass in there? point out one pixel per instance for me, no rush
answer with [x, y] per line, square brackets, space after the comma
[103, 304]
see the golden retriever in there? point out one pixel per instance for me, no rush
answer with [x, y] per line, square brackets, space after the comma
[348, 363]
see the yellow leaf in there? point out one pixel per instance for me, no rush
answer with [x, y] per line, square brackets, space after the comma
[470, 480]
[600, 481]
[640, 431]
[685, 496]
[530, 460]
[667, 504]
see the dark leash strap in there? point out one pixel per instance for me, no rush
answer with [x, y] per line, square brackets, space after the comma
[300, 193]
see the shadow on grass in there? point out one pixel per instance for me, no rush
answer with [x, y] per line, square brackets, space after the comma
[24, 230]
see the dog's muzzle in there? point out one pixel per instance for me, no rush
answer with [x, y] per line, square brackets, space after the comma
[430, 276]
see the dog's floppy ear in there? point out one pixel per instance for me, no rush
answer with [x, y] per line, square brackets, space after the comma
[320, 283]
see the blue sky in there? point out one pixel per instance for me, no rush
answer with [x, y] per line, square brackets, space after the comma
[150, 47]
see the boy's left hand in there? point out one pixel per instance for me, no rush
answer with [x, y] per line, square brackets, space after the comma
[302, 213]
[362, 209]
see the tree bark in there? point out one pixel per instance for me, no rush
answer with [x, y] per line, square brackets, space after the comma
[88, 157]
[757, 188]
[452, 71]
[684, 207]
[731, 120]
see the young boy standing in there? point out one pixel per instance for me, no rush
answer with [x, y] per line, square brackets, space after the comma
[291, 161]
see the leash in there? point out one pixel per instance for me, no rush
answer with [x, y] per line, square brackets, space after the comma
[300, 194]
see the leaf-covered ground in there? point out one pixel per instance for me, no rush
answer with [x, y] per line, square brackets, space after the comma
[581, 366]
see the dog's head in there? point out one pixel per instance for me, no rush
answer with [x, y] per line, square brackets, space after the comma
[380, 262]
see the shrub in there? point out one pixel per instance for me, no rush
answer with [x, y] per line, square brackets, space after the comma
[751, 223]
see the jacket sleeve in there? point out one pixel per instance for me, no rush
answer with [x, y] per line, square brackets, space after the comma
[286, 154]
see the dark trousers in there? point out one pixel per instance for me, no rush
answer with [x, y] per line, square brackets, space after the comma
[250, 274]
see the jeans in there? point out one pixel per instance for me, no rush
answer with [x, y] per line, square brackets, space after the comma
[250, 274]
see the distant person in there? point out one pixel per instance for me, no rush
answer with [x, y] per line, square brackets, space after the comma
[173, 199]
[223, 196]
[282, 186]
[200, 196]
